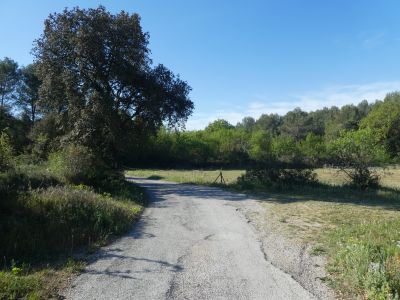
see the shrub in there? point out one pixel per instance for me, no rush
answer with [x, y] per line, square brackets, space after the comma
[354, 152]
[278, 176]
[363, 178]
[74, 164]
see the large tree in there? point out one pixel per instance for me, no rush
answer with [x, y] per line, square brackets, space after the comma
[28, 92]
[98, 78]
[9, 76]
[296, 123]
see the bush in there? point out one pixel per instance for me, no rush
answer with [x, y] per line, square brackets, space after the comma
[363, 178]
[75, 165]
[354, 152]
[278, 176]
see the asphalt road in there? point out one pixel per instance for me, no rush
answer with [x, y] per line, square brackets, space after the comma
[192, 242]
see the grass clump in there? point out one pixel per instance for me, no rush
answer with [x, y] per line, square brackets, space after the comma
[17, 286]
[24, 282]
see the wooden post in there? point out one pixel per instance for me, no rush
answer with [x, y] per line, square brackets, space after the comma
[220, 177]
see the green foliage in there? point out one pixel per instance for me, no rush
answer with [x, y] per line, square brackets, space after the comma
[285, 149]
[313, 149]
[366, 259]
[248, 124]
[296, 124]
[46, 137]
[219, 124]
[59, 219]
[354, 152]
[75, 164]
[277, 177]
[270, 123]
[122, 95]
[347, 118]
[40, 149]
[28, 91]
[9, 76]
[15, 286]
[6, 152]
[261, 147]
[385, 119]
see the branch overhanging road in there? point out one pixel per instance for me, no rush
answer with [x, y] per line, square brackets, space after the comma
[190, 243]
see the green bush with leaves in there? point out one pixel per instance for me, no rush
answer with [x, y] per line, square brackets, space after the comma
[385, 119]
[75, 165]
[261, 147]
[354, 152]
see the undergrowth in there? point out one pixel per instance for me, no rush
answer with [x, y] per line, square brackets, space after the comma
[44, 220]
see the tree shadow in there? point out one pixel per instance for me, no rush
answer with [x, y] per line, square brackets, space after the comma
[155, 177]
[106, 254]
[384, 197]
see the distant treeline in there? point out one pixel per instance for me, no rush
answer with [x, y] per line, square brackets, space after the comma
[299, 137]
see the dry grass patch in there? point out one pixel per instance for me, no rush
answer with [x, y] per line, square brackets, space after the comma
[186, 176]
[390, 177]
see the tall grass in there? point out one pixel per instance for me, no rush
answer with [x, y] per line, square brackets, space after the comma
[60, 219]
[43, 221]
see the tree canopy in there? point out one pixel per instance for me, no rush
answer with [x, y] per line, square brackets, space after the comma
[99, 82]
[9, 76]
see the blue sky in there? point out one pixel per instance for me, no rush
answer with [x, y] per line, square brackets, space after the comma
[245, 58]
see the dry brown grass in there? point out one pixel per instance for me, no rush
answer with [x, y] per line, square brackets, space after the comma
[390, 177]
[186, 176]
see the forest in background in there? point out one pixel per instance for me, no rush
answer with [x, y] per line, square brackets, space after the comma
[298, 137]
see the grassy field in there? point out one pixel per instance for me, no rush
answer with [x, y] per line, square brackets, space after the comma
[186, 176]
[358, 231]
[390, 177]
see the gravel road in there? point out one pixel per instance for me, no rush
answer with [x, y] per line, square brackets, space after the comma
[192, 242]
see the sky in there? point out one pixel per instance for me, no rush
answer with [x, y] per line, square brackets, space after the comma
[246, 58]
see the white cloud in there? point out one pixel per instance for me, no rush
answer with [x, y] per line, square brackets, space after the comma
[337, 95]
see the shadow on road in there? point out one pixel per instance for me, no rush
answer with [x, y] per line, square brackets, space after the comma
[384, 197]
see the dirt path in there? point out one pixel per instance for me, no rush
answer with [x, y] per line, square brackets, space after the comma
[192, 242]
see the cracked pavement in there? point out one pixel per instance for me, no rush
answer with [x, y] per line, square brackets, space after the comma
[190, 243]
